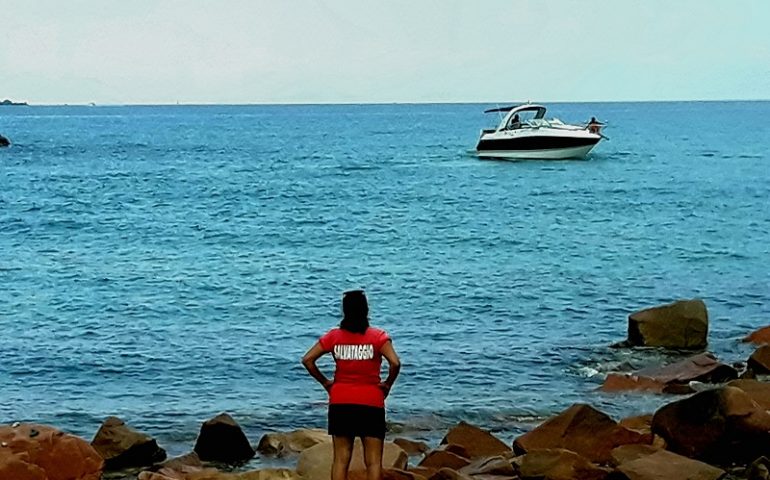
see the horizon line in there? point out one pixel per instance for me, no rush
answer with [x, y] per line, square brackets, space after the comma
[301, 103]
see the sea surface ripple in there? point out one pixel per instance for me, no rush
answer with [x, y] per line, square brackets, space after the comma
[167, 263]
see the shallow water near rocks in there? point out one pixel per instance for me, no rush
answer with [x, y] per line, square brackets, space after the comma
[165, 264]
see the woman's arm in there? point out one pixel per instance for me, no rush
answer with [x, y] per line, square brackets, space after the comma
[394, 366]
[316, 352]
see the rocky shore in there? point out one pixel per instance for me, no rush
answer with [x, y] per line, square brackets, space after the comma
[716, 426]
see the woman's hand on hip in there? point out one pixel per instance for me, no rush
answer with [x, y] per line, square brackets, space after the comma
[385, 387]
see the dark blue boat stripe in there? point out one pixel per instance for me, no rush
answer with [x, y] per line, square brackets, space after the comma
[534, 143]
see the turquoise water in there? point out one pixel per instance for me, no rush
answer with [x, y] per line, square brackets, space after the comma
[164, 264]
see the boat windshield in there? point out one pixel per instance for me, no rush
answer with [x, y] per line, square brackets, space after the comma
[522, 117]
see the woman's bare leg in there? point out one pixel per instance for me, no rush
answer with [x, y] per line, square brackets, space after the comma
[343, 451]
[373, 457]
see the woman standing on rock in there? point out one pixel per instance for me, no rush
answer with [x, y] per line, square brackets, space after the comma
[356, 396]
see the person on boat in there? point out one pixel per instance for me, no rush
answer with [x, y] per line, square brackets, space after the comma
[357, 394]
[515, 122]
[594, 125]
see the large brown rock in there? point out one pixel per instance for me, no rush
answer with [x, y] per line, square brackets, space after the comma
[443, 459]
[581, 429]
[558, 464]
[39, 452]
[759, 361]
[664, 465]
[476, 441]
[673, 378]
[496, 466]
[315, 463]
[758, 391]
[411, 447]
[627, 453]
[682, 324]
[759, 337]
[703, 367]
[719, 426]
[222, 440]
[121, 446]
[283, 443]
[196, 473]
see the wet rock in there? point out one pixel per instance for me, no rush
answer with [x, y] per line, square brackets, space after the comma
[456, 449]
[682, 324]
[759, 337]
[758, 391]
[581, 429]
[411, 447]
[222, 440]
[477, 441]
[703, 368]
[759, 362]
[291, 442]
[627, 382]
[187, 460]
[558, 464]
[719, 426]
[121, 446]
[315, 463]
[666, 465]
[39, 452]
[673, 378]
[4, 142]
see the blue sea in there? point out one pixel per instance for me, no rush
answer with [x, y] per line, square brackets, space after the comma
[168, 263]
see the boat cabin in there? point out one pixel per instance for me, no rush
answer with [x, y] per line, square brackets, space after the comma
[519, 116]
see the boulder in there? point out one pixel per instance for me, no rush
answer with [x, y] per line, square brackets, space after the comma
[121, 446]
[673, 378]
[759, 469]
[682, 324]
[449, 474]
[4, 142]
[291, 442]
[498, 466]
[758, 391]
[411, 447]
[628, 453]
[397, 474]
[759, 361]
[196, 473]
[662, 465]
[628, 382]
[581, 429]
[442, 458]
[477, 441]
[719, 426]
[558, 464]
[315, 463]
[222, 440]
[38, 452]
[759, 337]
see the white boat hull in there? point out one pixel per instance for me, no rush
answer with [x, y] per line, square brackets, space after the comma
[545, 154]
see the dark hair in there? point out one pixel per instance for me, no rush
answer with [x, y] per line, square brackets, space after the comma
[355, 311]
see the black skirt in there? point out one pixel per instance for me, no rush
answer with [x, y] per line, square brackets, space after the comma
[349, 420]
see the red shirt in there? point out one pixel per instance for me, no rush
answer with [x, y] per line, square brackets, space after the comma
[358, 360]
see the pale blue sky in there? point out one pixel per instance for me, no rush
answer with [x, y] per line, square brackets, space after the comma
[321, 51]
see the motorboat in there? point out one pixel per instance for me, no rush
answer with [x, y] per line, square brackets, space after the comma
[524, 132]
